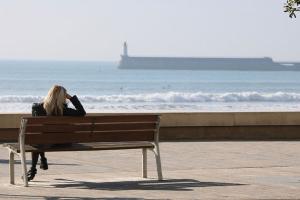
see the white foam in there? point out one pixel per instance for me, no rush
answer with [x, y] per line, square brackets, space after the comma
[171, 97]
[167, 107]
[20, 99]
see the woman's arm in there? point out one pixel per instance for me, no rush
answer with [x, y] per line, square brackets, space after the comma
[37, 109]
[79, 108]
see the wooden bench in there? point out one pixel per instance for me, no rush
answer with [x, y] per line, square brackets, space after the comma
[109, 132]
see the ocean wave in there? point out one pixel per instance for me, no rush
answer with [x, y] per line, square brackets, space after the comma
[171, 97]
[20, 99]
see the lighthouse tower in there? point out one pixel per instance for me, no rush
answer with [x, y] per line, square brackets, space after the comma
[125, 51]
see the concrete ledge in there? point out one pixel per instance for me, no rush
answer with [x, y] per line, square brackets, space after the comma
[195, 119]
[231, 133]
[212, 126]
[11, 120]
[9, 134]
[230, 119]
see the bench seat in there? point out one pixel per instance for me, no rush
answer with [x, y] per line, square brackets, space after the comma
[83, 146]
[88, 133]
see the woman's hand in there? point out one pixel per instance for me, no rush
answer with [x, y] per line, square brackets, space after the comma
[68, 96]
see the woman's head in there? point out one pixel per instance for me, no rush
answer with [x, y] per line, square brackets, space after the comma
[55, 100]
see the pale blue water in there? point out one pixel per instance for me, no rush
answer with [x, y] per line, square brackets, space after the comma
[103, 87]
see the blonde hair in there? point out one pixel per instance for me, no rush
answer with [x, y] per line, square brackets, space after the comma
[55, 100]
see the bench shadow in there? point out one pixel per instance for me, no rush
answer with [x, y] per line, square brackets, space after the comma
[6, 161]
[169, 184]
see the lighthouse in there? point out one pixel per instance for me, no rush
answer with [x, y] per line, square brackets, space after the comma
[125, 51]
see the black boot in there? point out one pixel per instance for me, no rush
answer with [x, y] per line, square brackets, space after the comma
[31, 174]
[44, 164]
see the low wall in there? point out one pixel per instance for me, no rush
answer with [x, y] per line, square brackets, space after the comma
[203, 126]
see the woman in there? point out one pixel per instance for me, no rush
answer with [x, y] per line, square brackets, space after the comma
[54, 104]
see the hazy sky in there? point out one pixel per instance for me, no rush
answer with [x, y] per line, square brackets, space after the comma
[96, 29]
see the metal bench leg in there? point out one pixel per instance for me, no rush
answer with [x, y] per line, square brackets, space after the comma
[158, 162]
[24, 168]
[12, 167]
[156, 151]
[144, 150]
[22, 150]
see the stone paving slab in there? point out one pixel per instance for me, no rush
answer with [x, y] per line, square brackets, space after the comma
[192, 170]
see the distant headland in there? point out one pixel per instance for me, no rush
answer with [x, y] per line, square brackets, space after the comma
[191, 63]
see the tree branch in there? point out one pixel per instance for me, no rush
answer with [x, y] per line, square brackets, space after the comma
[291, 7]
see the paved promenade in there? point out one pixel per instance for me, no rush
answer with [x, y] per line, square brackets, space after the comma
[192, 170]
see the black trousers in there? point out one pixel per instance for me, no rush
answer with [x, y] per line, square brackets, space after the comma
[35, 158]
[35, 155]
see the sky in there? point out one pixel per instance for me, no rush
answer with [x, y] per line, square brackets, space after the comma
[96, 29]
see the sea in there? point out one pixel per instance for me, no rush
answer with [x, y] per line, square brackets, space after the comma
[103, 88]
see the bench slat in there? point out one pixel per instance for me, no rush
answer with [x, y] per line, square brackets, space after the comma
[57, 138]
[144, 135]
[103, 136]
[84, 146]
[89, 127]
[49, 128]
[89, 119]
[124, 126]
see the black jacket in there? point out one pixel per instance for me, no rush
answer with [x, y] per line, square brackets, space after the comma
[38, 109]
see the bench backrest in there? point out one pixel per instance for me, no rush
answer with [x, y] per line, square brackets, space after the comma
[108, 128]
